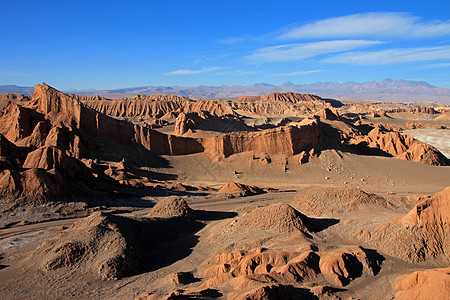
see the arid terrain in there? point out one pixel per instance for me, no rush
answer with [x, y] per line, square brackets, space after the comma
[278, 196]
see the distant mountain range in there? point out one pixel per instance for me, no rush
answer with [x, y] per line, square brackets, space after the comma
[386, 90]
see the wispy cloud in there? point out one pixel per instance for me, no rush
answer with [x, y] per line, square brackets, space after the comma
[376, 24]
[392, 56]
[190, 72]
[297, 73]
[237, 72]
[292, 52]
[437, 65]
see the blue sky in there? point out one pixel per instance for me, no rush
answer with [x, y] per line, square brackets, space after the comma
[113, 44]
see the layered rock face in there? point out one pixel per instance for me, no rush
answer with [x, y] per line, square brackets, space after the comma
[287, 104]
[204, 120]
[285, 139]
[284, 97]
[138, 107]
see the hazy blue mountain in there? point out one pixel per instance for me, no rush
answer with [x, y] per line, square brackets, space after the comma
[395, 90]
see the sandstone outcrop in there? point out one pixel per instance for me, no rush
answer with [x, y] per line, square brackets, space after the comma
[280, 140]
[49, 158]
[328, 114]
[402, 146]
[34, 185]
[241, 190]
[245, 269]
[283, 97]
[215, 108]
[340, 267]
[422, 233]
[140, 107]
[204, 120]
[421, 285]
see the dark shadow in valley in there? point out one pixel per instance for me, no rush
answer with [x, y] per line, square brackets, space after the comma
[208, 215]
[164, 241]
[331, 139]
[375, 259]
[2, 266]
[318, 224]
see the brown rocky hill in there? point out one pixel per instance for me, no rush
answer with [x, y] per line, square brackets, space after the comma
[421, 234]
[402, 146]
[240, 189]
[138, 107]
[426, 284]
[110, 247]
[283, 97]
[284, 140]
[286, 104]
[204, 120]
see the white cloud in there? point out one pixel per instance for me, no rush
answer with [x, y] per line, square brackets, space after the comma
[190, 72]
[377, 24]
[237, 73]
[297, 73]
[392, 56]
[292, 52]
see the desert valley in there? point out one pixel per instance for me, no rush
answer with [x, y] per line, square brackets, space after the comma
[278, 196]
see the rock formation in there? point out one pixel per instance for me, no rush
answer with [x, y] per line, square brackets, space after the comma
[241, 190]
[280, 140]
[282, 97]
[204, 120]
[422, 233]
[426, 284]
[402, 146]
[140, 107]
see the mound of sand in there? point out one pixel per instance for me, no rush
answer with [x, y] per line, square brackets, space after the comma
[110, 247]
[279, 217]
[422, 233]
[105, 244]
[171, 207]
[334, 200]
[427, 284]
[240, 189]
